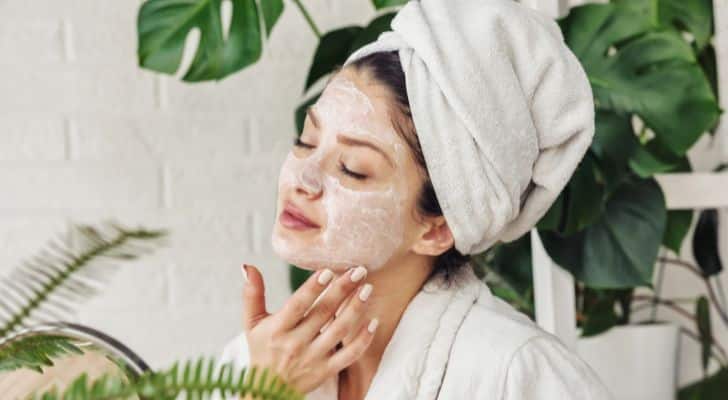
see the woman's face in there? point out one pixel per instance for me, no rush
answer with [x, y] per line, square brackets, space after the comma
[351, 175]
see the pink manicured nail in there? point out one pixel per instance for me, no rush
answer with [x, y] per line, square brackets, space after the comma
[365, 292]
[373, 325]
[325, 276]
[359, 273]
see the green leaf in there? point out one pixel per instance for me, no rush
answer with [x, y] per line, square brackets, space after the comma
[694, 16]
[512, 261]
[297, 276]
[35, 352]
[655, 158]
[379, 4]
[272, 10]
[300, 114]
[585, 200]
[552, 219]
[613, 144]
[163, 26]
[372, 31]
[713, 387]
[619, 250]
[61, 271]
[678, 225]
[702, 319]
[708, 62]
[599, 311]
[169, 384]
[647, 162]
[331, 52]
[580, 203]
[705, 243]
[628, 58]
[336, 46]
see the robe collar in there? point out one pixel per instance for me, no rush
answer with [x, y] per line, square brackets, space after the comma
[413, 363]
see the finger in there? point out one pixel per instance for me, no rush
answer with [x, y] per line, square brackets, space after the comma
[311, 324]
[302, 299]
[352, 351]
[253, 297]
[346, 325]
[343, 305]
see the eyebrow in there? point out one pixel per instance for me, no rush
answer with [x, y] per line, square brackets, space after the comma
[350, 140]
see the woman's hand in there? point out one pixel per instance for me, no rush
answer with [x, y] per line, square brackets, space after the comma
[290, 341]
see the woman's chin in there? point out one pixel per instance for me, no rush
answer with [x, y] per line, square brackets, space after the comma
[305, 251]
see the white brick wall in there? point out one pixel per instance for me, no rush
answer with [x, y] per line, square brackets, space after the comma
[86, 135]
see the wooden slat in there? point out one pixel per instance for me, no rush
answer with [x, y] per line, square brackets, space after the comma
[554, 296]
[694, 190]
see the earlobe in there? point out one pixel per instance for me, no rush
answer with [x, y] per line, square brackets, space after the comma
[436, 240]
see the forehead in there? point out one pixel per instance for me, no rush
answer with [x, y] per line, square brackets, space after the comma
[355, 102]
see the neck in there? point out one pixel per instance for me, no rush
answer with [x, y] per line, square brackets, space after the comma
[394, 286]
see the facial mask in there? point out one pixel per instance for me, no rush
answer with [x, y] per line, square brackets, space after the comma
[362, 226]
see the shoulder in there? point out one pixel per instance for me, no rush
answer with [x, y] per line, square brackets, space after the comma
[544, 368]
[501, 350]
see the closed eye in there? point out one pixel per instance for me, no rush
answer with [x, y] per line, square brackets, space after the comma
[297, 142]
[353, 174]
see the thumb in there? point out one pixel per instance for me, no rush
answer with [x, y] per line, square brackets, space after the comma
[253, 297]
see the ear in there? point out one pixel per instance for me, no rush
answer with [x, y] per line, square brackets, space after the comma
[435, 239]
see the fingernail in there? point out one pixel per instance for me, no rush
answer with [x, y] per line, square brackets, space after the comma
[359, 273]
[325, 276]
[244, 272]
[365, 291]
[373, 325]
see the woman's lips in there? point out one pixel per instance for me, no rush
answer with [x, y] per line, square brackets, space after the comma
[293, 219]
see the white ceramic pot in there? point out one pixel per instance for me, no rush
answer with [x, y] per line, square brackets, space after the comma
[636, 362]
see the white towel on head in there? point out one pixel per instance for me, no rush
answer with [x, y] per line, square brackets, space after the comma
[500, 104]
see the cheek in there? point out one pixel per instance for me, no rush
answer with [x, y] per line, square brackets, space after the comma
[361, 228]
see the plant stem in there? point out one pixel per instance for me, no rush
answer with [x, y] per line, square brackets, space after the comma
[658, 288]
[681, 311]
[721, 360]
[306, 15]
[711, 293]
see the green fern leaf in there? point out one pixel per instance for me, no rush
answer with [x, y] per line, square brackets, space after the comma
[48, 284]
[196, 380]
[35, 352]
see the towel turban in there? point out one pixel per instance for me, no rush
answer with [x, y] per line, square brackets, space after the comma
[502, 108]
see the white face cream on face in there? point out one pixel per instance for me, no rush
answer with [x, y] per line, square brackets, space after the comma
[363, 221]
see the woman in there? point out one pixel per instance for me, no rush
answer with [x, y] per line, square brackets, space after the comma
[452, 132]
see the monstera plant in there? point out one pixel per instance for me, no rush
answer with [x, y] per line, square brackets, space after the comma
[652, 70]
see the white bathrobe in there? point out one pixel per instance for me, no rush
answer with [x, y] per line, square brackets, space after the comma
[462, 342]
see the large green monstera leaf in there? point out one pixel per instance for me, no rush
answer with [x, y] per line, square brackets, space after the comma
[619, 250]
[640, 62]
[163, 26]
[638, 65]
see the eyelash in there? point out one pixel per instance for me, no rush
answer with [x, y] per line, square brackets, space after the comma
[299, 143]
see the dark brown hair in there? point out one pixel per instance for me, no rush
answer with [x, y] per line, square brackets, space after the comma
[385, 68]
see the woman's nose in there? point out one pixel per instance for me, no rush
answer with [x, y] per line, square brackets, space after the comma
[310, 179]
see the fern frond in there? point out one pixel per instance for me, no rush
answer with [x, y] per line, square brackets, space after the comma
[48, 284]
[35, 352]
[196, 380]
